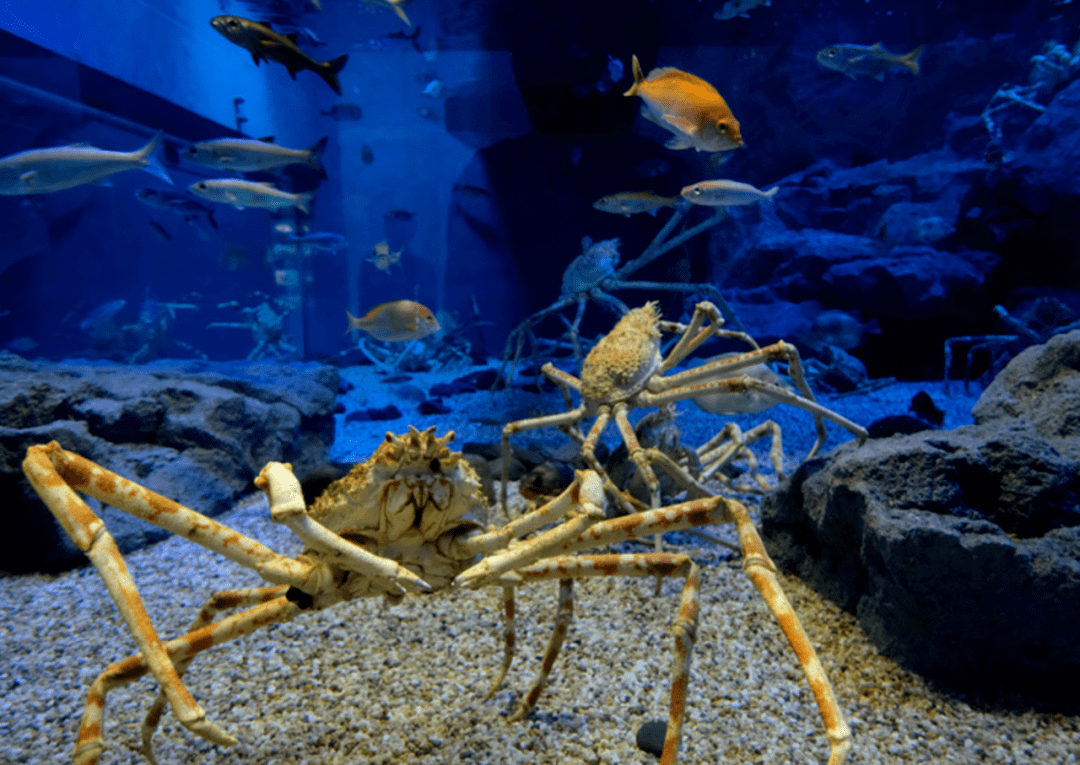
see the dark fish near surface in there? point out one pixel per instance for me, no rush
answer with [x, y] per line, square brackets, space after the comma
[346, 111]
[873, 60]
[367, 156]
[264, 44]
[402, 215]
[176, 203]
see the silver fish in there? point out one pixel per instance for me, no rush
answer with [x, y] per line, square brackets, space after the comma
[43, 171]
[872, 60]
[247, 155]
[723, 193]
[240, 194]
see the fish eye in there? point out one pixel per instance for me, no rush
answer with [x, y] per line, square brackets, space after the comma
[232, 23]
[697, 191]
[831, 53]
[200, 185]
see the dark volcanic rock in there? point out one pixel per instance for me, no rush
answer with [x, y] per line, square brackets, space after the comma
[959, 551]
[195, 432]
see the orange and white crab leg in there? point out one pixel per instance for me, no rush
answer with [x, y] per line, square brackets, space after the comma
[180, 650]
[219, 601]
[692, 335]
[762, 572]
[509, 639]
[563, 616]
[638, 455]
[588, 453]
[568, 567]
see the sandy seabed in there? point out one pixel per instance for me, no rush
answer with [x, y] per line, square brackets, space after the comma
[366, 683]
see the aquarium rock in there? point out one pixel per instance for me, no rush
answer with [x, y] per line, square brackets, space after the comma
[197, 432]
[959, 551]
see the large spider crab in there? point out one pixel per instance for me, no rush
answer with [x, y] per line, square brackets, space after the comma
[625, 370]
[409, 520]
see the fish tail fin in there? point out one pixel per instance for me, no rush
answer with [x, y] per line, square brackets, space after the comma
[911, 60]
[152, 156]
[329, 72]
[397, 6]
[770, 192]
[210, 217]
[315, 157]
[354, 323]
[303, 202]
[639, 77]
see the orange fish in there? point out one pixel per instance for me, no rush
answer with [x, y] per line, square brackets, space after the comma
[396, 322]
[688, 106]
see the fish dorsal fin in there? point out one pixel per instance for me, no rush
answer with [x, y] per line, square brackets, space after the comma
[877, 46]
[266, 183]
[266, 139]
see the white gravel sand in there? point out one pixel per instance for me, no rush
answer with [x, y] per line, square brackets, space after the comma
[362, 683]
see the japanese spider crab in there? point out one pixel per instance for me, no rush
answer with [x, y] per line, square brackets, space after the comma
[625, 371]
[411, 519]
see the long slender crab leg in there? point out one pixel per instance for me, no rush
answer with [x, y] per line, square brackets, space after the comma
[508, 638]
[567, 568]
[562, 418]
[219, 601]
[179, 651]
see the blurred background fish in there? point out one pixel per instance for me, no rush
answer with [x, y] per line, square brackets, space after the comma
[872, 60]
[398, 321]
[721, 193]
[734, 8]
[632, 202]
[176, 203]
[242, 194]
[343, 111]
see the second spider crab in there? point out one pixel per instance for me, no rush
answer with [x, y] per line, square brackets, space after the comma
[409, 520]
[626, 370]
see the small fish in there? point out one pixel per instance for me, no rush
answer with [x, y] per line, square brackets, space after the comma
[434, 89]
[367, 156]
[615, 69]
[101, 322]
[398, 321]
[631, 202]
[874, 60]
[240, 194]
[22, 344]
[428, 114]
[310, 36]
[473, 191]
[43, 171]
[652, 168]
[164, 235]
[397, 6]
[688, 106]
[724, 193]
[413, 38]
[323, 241]
[382, 258]
[345, 111]
[176, 203]
[733, 8]
[247, 155]
[233, 257]
[264, 44]
[401, 215]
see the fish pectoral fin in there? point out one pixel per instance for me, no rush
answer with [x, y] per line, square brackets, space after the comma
[679, 142]
[857, 59]
[681, 124]
[29, 176]
[256, 58]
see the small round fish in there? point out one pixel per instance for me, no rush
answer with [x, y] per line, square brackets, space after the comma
[723, 193]
[632, 202]
[398, 321]
[688, 106]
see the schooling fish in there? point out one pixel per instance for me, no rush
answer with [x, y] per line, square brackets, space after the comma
[396, 322]
[247, 155]
[724, 193]
[176, 203]
[43, 171]
[873, 60]
[688, 106]
[264, 44]
[631, 202]
[240, 194]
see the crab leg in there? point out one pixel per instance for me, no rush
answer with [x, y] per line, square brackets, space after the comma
[562, 418]
[692, 335]
[566, 568]
[219, 601]
[509, 639]
[180, 651]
